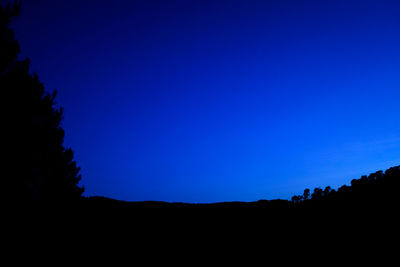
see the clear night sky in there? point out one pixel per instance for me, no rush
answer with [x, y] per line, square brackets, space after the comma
[206, 101]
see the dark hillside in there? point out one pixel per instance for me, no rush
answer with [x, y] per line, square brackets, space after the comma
[379, 189]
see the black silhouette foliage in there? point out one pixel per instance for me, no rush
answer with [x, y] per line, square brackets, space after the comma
[379, 189]
[9, 47]
[41, 168]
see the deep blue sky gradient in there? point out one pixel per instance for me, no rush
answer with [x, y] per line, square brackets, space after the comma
[206, 101]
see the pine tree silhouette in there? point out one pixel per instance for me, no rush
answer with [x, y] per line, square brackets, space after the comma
[40, 168]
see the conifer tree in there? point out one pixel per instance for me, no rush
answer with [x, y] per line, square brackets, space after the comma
[40, 167]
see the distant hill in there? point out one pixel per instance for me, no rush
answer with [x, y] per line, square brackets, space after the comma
[379, 189]
[112, 203]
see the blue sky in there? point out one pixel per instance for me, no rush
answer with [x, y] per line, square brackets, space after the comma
[207, 101]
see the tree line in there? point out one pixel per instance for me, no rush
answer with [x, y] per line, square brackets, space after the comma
[377, 188]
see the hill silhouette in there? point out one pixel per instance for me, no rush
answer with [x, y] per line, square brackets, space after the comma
[379, 189]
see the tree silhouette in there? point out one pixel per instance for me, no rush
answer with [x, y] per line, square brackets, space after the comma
[41, 167]
[306, 194]
[379, 189]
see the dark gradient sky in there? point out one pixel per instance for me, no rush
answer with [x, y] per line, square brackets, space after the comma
[206, 101]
